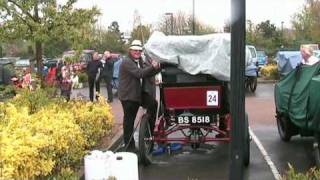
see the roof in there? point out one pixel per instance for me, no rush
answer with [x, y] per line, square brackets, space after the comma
[5, 61]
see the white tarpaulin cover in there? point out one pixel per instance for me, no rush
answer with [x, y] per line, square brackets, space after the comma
[207, 54]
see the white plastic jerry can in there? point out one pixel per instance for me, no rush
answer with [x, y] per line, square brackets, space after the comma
[96, 165]
[124, 166]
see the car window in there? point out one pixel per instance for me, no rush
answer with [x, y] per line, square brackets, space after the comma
[261, 53]
[86, 57]
[252, 52]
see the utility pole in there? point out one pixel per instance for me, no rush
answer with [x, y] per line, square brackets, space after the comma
[237, 103]
[193, 19]
[171, 21]
[282, 38]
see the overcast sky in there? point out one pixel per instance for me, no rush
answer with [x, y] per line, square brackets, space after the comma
[212, 12]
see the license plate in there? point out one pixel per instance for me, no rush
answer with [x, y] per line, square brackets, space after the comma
[193, 120]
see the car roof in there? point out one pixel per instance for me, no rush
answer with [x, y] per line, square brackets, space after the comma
[5, 61]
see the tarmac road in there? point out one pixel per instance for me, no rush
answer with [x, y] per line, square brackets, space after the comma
[212, 161]
[261, 109]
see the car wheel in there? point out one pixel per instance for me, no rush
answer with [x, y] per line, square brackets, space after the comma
[253, 84]
[246, 151]
[145, 141]
[284, 128]
[316, 149]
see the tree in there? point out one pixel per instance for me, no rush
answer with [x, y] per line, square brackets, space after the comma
[141, 32]
[41, 21]
[267, 29]
[182, 25]
[306, 24]
[264, 36]
[108, 39]
[55, 48]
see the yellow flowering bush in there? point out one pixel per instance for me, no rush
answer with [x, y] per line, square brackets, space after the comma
[94, 119]
[48, 139]
[270, 71]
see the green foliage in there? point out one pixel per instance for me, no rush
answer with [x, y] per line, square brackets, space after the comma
[264, 36]
[44, 21]
[18, 48]
[83, 77]
[267, 29]
[306, 23]
[291, 174]
[7, 91]
[55, 48]
[35, 100]
[110, 39]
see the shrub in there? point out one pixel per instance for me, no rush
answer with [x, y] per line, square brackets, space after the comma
[270, 71]
[43, 136]
[83, 78]
[291, 174]
[7, 91]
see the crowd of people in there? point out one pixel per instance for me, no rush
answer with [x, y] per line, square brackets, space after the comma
[136, 85]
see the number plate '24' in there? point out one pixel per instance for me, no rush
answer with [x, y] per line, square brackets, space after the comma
[212, 98]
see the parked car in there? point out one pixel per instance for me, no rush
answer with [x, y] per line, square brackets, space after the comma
[50, 63]
[22, 63]
[262, 58]
[6, 72]
[251, 52]
[252, 69]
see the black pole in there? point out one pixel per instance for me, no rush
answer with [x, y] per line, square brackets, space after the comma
[193, 19]
[237, 103]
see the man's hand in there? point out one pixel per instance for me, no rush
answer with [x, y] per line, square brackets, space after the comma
[155, 64]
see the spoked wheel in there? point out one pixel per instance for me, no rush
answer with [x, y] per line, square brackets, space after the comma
[253, 84]
[285, 128]
[316, 149]
[246, 151]
[145, 141]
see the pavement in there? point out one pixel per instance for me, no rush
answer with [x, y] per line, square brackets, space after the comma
[266, 81]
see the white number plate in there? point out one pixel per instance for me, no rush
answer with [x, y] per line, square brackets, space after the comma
[193, 120]
[212, 98]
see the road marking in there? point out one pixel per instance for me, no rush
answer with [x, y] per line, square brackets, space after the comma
[266, 157]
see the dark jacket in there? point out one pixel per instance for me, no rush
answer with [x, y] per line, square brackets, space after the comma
[149, 85]
[107, 71]
[92, 68]
[130, 76]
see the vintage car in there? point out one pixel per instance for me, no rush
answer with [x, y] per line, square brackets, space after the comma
[297, 105]
[193, 102]
[6, 72]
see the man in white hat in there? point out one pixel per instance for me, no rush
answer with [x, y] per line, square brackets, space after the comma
[131, 74]
[307, 56]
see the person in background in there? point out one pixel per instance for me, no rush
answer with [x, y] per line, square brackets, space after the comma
[52, 75]
[115, 78]
[93, 71]
[66, 85]
[307, 56]
[26, 79]
[107, 73]
[131, 75]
